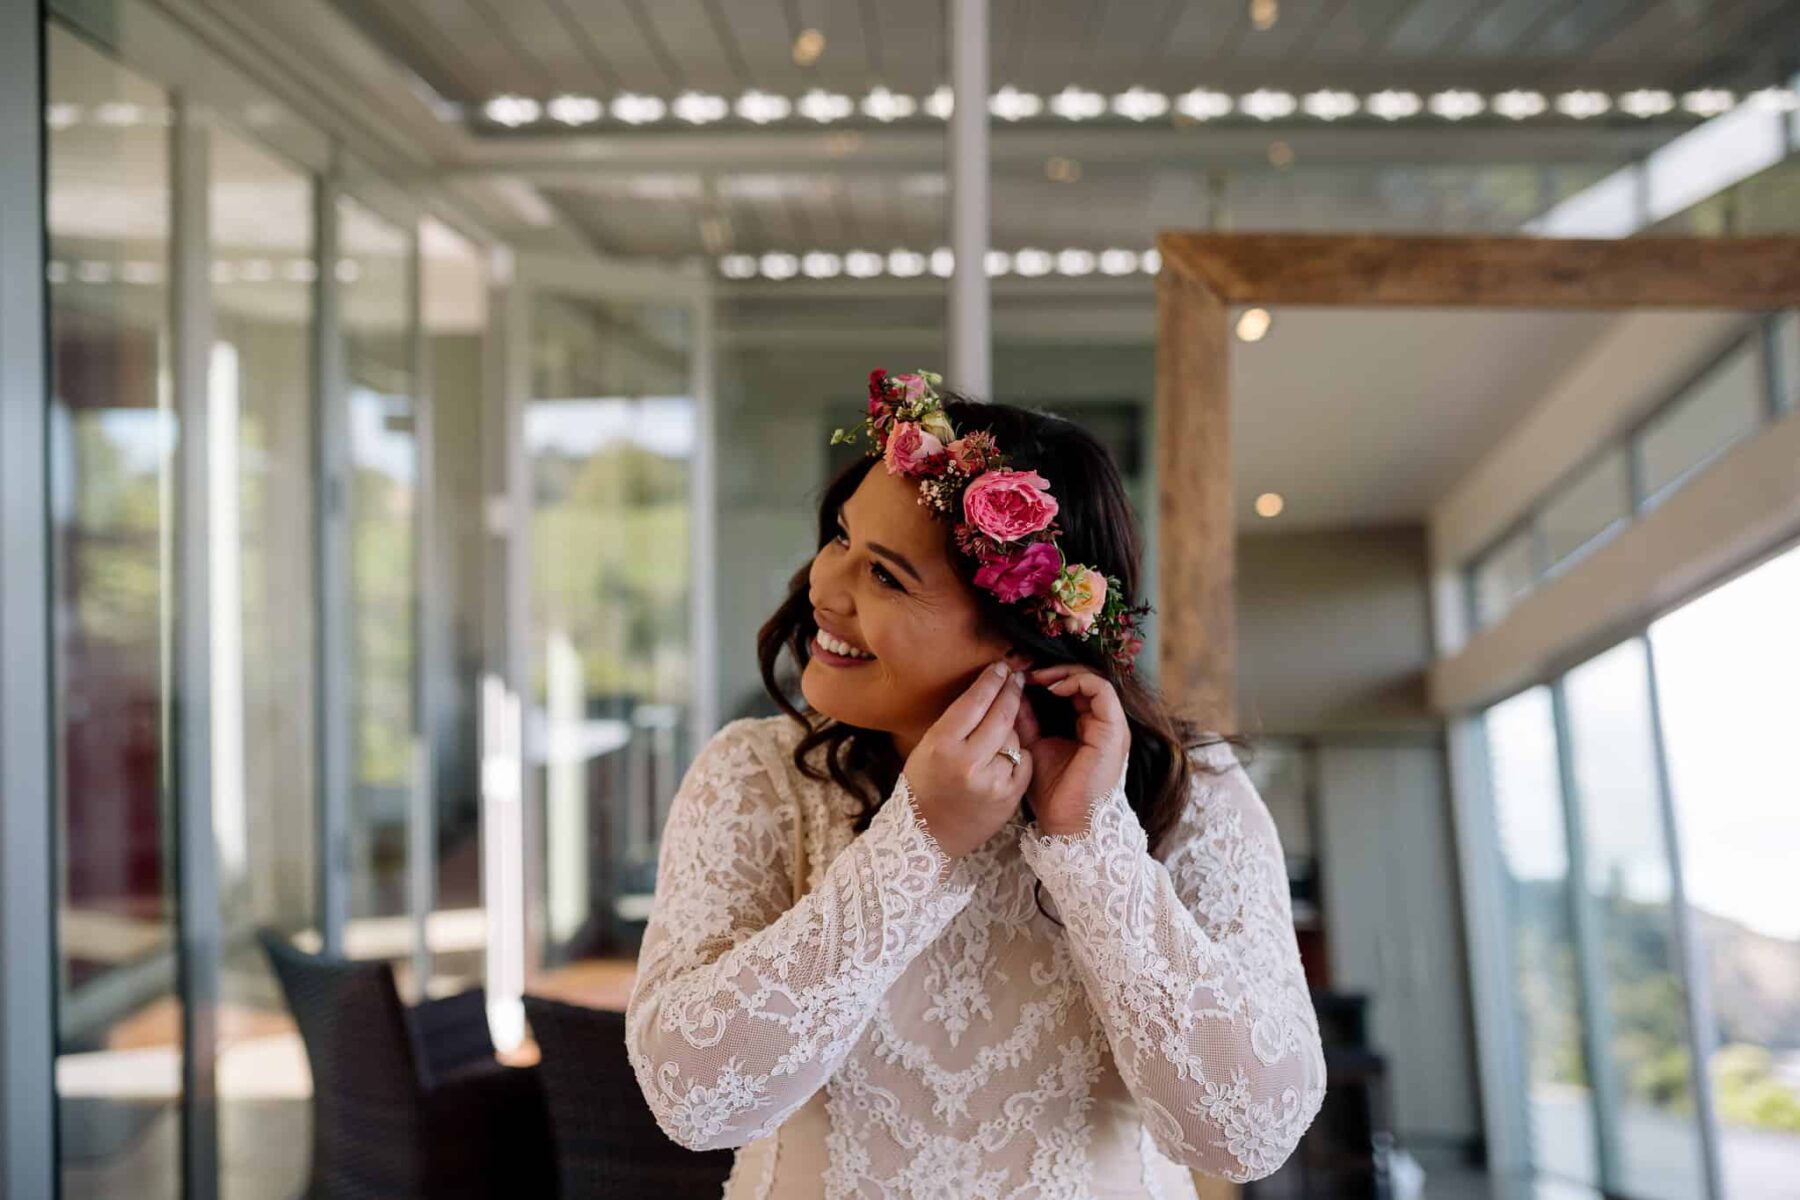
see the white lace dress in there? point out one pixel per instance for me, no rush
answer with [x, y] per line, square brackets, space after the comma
[914, 1027]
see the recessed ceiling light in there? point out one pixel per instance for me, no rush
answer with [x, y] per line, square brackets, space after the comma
[1254, 324]
[573, 110]
[1270, 504]
[808, 47]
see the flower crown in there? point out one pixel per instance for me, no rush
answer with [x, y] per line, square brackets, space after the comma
[1005, 519]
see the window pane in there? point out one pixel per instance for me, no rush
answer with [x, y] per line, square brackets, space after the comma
[1722, 407]
[1728, 674]
[1504, 575]
[265, 820]
[611, 432]
[1534, 851]
[1787, 360]
[1642, 1015]
[1597, 503]
[112, 462]
[374, 269]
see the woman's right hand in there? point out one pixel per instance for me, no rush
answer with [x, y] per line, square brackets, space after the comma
[964, 788]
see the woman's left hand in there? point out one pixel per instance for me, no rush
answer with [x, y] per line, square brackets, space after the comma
[1069, 774]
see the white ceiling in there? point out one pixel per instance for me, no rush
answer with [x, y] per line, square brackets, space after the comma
[1363, 417]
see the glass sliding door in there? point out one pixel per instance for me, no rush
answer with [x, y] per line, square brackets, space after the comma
[112, 465]
[1534, 852]
[611, 433]
[375, 276]
[1649, 1111]
[260, 400]
[1728, 683]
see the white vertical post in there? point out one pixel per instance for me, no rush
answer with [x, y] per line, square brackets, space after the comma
[429, 667]
[197, 854]
[331, 432]
[703, 641]
[971, 316]
[27, 1024]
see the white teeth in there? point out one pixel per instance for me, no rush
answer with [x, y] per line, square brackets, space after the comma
[839, 646]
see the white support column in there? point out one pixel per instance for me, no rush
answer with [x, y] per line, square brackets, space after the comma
[703, 495]
[198, 883]
[971, 309]
[27, 804]
[430, 665]
[332, 572]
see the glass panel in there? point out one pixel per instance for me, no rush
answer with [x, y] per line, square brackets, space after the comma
[1724, 406]
[611, 433]
[1642, 1012]
[374, 268]
[112, 461]
[1787, 361]
[1534, 851]
[1594, 505]
[264, 812]
[1500, 578]
[453, 307]
[1728, 675]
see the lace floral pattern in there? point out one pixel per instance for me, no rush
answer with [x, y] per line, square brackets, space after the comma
[963, 1043]
[1195, 972]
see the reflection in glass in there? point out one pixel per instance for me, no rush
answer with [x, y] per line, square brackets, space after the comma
[1724, 406]
[611, 433]
[453, 308]
[1595, 504]
[260, 402]
[1534, 850]
[1504, 575]
[374, 272]
[1728, 683]
[112, 459]
[1629, 891]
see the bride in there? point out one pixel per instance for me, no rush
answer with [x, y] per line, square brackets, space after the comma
[983, 918]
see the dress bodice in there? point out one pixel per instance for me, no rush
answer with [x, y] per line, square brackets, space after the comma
[906, 1025]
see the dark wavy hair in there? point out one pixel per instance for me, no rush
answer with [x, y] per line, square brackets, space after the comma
[1099, 528]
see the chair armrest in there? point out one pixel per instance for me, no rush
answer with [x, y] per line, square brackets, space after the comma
[490, 1122]
[451, 1034]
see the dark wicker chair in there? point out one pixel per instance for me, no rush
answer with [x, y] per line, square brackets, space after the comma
[409, 1104]
[607, 1142]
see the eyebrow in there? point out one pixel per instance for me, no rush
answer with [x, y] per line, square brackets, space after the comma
[900, 560]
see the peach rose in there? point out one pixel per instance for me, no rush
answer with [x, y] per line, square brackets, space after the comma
[1008, 505]
[911, 450]
[1079, 594]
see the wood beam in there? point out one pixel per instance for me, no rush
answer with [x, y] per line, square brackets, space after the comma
[1489, 272]
[1196, 589]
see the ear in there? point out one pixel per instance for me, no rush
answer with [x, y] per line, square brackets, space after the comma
[1018, 660]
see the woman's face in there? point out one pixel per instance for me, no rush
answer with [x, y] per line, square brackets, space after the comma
[886, 588]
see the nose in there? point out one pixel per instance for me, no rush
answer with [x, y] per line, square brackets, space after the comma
[828, 584]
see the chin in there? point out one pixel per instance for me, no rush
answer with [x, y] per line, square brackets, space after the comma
[840, 699]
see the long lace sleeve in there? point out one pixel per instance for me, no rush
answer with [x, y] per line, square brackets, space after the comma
[1193, 968]
[746, 1001]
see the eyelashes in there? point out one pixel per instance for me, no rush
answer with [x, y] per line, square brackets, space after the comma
[882, 575]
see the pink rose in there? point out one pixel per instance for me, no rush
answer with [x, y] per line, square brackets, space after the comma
[1021, 575]
[912, 387]
[1007, 505]
[1079, 595]
[910, 450]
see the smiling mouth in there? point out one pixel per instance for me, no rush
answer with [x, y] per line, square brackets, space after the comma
[836, 649]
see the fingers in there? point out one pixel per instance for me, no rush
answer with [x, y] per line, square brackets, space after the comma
[1025, 724]
[997, 724]
[967, 710]
[1090, 691]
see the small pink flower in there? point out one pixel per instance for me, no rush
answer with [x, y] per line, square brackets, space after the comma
[910, 450]
[912, 387]
[1008, 505]
[1022, 575]
[971, 452]
[1079, 595]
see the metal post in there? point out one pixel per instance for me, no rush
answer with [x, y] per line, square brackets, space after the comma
[703, 495]
[331, 463]
[1596, 1020]
[971, 313]
[27, 947]
[1690, 954]
[197, 883]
